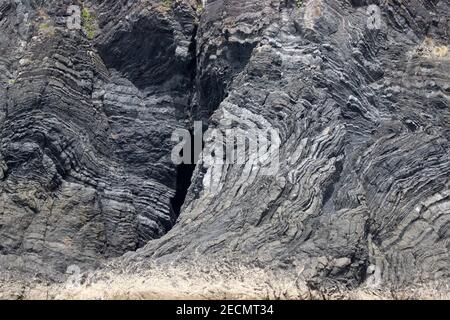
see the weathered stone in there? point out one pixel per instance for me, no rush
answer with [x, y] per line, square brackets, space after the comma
[360, 103]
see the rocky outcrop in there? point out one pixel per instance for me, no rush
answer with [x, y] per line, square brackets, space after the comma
[362, 193]
[356, 90]
[86, 126]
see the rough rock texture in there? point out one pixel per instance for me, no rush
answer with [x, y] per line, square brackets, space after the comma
[85, 128]
[363, 191]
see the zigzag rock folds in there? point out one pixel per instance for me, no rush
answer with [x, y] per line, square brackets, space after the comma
[362, 192]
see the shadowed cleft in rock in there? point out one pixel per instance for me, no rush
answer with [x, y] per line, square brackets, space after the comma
[357, 92]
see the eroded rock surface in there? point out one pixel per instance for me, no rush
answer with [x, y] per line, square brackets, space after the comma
[362, 194]
[360, 102]
[86, 125]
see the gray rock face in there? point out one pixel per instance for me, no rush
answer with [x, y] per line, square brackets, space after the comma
[85, 140]
[362, 193]
[357, 91]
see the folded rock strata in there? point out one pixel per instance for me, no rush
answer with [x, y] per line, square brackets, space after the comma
[86, 127]
[360, 103]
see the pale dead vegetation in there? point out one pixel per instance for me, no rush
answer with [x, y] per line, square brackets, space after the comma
[431, 49]
[206, 282]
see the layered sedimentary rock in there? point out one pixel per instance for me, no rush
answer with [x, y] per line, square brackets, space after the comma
[86, 125]
[361, 106]
[356, 90]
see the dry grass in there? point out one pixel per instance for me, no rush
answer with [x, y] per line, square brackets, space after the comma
[430, 49]
[212, 282]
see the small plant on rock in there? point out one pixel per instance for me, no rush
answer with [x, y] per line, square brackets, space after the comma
[200, 9]
[88, 23]
[167, 4]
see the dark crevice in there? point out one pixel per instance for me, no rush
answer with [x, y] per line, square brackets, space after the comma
[184, 175]
[185, 171]
[183, 181]
[208, 90]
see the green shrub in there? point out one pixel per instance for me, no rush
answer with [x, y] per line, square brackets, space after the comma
[43, 26]
[200, 9]
[88, 23]
[167, 3]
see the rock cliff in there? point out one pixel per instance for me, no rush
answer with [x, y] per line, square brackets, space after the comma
[358, 92]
